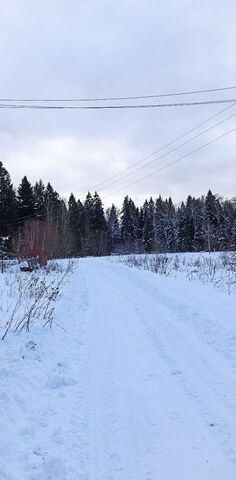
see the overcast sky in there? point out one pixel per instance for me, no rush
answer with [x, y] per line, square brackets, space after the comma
[92, 48]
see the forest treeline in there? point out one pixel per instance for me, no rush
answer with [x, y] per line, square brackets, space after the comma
[34, 219]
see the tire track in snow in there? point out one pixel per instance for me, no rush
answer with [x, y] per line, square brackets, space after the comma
[110, 423]
[188, 363]
[118, 297]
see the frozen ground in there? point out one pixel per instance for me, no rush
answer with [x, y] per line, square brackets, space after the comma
[140, 386]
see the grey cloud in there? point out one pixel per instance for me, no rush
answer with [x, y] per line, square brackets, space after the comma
[103, 48]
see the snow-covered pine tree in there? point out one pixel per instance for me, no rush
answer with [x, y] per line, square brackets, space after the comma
[129, 225]
[73, 215]
[170, 225]
[160, 244]
[227, 236]
[39, 200]
[148, 228]
[113, 227]
[186, 226]
[99, 227]
[198, 222]
[211, 220]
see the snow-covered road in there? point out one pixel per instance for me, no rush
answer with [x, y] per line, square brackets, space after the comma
[141, 386]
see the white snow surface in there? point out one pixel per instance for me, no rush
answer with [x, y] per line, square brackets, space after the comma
[139, 386]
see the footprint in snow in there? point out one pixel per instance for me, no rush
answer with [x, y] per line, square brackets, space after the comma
[176, 372]
[51, 469]
[30, 351]
[58, 381]
[39, 452]
[30, 345]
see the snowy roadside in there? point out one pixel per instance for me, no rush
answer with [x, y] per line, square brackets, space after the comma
[218, 268]
[27, 298]
[36, 368]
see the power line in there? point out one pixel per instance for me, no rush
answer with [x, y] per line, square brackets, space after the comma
[104, 99]
[114, 107]
[172, 163]
[172, 150]
[20, 220]
[17, 222]
[160, 149]
[37, 216]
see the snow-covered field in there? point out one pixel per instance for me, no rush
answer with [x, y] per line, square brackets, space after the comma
[138, 384]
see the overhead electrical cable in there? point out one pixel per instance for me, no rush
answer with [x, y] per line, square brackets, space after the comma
[173, 162]
[163, 147]
[37, 216]
[18, 222]
[168, 152]
[114, 107]
[132, 97]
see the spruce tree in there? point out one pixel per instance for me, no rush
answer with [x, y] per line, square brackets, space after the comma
[52, 202]
[148, 229]
[100, 241]
[75, 210]
[39, 200]
[159, 225]
[211, 221]
[7, 203]
[128, 224]
[140, 230]
[88, 210]
[198, 222]
[98, 220]
[87, 242]
[113, 227]
[25, 200]
[186, 226]
[170, 227]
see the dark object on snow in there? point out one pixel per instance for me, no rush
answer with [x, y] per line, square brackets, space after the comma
[30, 264]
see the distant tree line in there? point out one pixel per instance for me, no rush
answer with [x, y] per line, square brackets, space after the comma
[34, 218]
